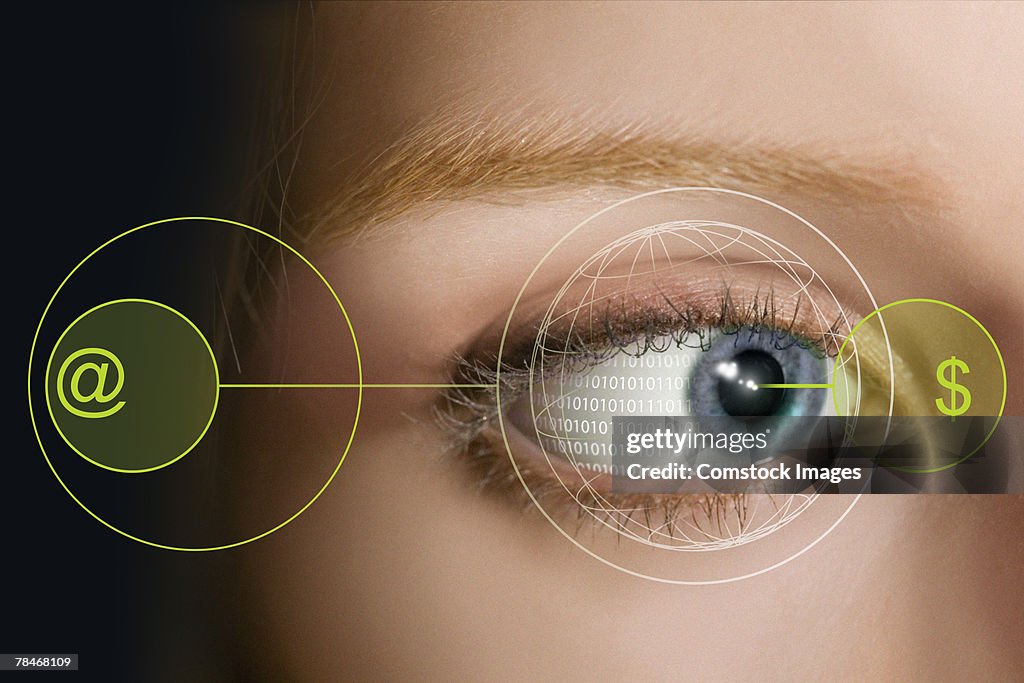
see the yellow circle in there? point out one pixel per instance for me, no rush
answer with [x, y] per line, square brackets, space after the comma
[355, 422]
[216, 384]
[1002, 368]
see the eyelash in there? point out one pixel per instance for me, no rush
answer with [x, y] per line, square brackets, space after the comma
[469, 415]
[641, 330]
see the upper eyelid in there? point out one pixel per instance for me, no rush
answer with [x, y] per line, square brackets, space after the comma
[700, 294]
[664, 313]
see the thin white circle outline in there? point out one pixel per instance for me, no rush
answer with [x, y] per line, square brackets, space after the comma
[501, 350]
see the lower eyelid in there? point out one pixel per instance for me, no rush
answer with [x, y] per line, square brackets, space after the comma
[559, 490]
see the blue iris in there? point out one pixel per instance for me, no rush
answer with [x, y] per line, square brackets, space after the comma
[726, 382]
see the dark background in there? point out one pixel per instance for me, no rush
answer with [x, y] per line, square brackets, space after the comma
[122, 115]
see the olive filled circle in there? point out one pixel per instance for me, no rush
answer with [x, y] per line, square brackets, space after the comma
[358, 386]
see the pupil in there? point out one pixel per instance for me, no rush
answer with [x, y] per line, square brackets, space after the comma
[736, 395]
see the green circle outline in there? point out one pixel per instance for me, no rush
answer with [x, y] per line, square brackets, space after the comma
[216, 378]
[348, 445]
[999, 355]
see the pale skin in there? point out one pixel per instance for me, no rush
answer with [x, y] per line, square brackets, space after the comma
[402, 571]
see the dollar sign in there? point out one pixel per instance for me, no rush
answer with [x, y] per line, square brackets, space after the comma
[949, 367]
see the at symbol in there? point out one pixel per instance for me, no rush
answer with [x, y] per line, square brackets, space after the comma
[97, 394]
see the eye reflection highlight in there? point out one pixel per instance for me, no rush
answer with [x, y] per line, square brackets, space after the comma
[739, 383]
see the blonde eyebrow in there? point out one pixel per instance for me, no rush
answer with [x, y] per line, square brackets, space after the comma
[515, 158]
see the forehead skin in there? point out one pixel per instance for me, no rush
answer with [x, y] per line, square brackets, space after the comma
[942, 79]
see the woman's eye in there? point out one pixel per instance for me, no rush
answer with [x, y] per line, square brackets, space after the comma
[707, 326]
[718, 376]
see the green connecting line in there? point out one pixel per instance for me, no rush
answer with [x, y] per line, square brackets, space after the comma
[357, 386]
[450, 386]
